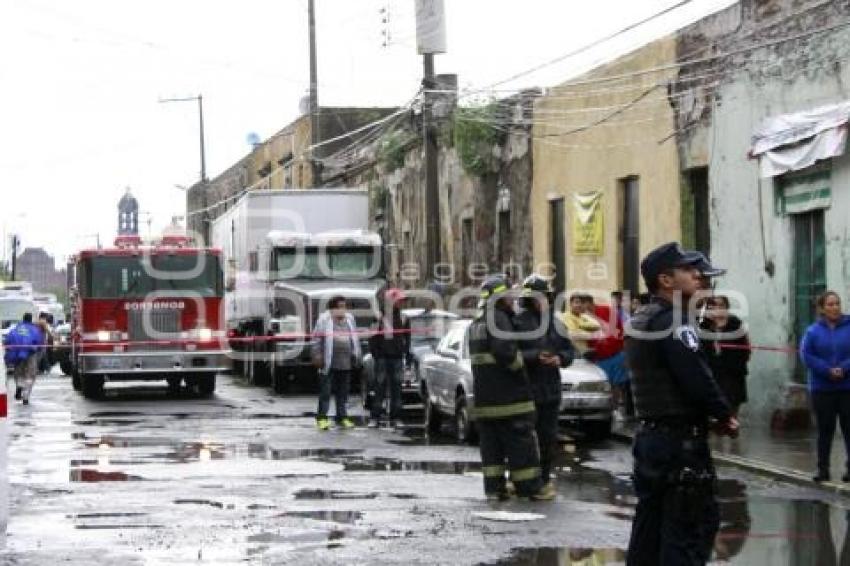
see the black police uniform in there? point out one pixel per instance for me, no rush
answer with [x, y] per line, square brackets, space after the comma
[545, 380]
[504, 407]
[674, 394]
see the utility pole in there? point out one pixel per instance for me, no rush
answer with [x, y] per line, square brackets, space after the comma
[15, 243]
[315, 138]
[430, 39]
[432, 185]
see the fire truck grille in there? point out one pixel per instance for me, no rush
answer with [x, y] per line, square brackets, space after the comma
[149, 326]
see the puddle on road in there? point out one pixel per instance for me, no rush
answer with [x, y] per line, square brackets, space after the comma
[114, 527]
[104, 515]
[317, 494]
[380, 464]
[90, 476]
[559, 556]
[346, 517]
[207, 502]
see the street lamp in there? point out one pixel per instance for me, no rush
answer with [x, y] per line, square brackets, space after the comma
[204, 229]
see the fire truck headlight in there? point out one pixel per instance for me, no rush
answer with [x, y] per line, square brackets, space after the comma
[205, 334]
[103, 335]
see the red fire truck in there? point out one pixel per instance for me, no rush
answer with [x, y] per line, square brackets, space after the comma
[148, 312]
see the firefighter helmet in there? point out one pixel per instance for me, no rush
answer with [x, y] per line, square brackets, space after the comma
[493, 286]
[535, 283]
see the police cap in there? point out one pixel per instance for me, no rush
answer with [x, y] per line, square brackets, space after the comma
[668, 256]
[706, 269]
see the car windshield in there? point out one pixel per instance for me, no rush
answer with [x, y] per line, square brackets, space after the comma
[132, 277]
[12, 310]
[428, 330]
[337, 263]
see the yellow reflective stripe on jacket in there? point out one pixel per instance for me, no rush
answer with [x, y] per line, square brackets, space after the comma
[488, 359]
[524, 474]
[493, 471]
[503, 411]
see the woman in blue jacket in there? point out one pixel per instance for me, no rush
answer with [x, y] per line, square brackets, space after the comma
[825, 350]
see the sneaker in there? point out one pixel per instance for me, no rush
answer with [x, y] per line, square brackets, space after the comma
[323, 424]
[546, 493]
[346, 423]
[26, 401]
[18, 392]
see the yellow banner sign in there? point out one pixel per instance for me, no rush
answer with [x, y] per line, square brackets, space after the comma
[588, 234]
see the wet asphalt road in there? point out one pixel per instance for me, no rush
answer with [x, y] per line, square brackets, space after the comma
[147, 478]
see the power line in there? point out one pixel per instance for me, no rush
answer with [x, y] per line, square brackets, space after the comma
[590, 45]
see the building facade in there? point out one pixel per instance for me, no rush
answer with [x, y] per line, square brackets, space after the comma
[37, 266]
[754, 84]
[606, 174]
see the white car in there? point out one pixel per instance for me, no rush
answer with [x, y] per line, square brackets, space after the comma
[586, 399]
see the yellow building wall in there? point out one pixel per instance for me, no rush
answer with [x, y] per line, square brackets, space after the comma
[626, 129]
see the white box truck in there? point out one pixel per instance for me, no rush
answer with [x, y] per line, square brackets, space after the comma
[286, 253]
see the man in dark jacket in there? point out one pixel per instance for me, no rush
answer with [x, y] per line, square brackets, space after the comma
[504, 404]
[545, 350]
[390, 348]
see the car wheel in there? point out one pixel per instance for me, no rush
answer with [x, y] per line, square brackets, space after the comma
[206, 385]
[433, 418]
[464, 429]
[174, 384]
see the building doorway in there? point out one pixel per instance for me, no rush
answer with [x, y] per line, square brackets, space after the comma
[557, 246]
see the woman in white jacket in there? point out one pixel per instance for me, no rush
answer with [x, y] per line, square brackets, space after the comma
[337, 353]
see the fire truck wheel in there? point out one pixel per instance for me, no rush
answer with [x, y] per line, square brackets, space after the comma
[206, 385]
[174, 384]
[92, 386]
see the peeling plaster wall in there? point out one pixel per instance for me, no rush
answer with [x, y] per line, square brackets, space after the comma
[746, 232]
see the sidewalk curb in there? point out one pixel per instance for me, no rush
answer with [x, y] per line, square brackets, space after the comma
[762, 468]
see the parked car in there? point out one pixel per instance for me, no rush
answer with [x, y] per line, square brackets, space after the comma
[62, 348]
[586, 400]
[427, 327]
[448, 394]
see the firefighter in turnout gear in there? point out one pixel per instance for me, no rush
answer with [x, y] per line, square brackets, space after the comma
[504, 405]
[677, 400]
[546, 349]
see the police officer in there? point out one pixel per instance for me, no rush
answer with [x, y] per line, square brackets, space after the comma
[545, 349]
[676, 399]
[504, 406]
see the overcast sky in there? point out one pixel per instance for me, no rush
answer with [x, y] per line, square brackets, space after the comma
[81, 81]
